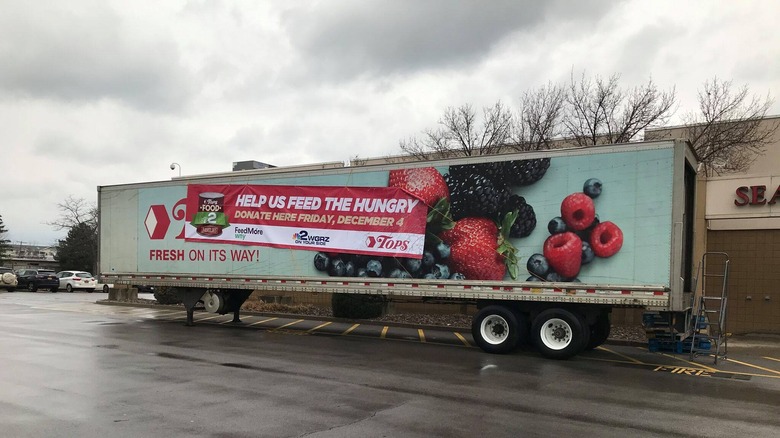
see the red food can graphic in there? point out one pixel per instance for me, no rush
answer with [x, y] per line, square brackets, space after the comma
[210, 219]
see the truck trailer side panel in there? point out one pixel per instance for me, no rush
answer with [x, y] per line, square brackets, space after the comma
[267, 228]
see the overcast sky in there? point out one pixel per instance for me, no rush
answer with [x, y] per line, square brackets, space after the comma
[109, 92]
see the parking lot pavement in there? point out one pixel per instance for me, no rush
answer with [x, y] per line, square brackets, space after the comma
[749, 356]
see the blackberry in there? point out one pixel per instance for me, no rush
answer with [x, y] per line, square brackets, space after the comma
[474, 195]
[526, 218]
[525, 172]
[493, 171]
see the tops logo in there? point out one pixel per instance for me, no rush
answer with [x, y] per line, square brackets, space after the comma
[304, 238]
[386, 242]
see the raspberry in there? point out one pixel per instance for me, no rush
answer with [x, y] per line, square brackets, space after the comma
[578, 211]
[606, 239]
[564, 253]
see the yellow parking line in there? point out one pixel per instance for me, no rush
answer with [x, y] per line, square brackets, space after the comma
[206, 319]
[709, 369]
[261, 321]
[754, 366]
[422, 335]
[384, 331]
[462, 339]
[230, 320]
[289, 324]
[772, 358]
[620, 354]
[346, 332]
[319, 327]
[736, 373]
[168, 313]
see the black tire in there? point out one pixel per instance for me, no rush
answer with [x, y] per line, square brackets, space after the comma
[54, 289]
[498, 330]
[69, 288]
[599, 331]
[10, 289]
[32, 287]
[559, 333]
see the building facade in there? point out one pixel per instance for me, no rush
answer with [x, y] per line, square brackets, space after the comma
[742, 219]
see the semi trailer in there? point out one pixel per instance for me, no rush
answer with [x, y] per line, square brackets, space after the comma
[544, 243]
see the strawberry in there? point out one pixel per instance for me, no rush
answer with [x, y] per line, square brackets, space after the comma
[606, 239]
[479, 251]
[578, 211]
[563, 252]
[425, 183]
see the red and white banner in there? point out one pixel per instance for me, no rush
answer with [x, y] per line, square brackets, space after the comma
[360, 220]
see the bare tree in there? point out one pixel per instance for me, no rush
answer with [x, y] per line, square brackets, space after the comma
[729, 132]
[75, 212]
[460, 133]
[540, 121]
[600, 112]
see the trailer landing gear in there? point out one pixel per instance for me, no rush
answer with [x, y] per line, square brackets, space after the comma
[221, 301]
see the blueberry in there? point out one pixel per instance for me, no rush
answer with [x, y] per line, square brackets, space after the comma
[321, 261]
[584, 235]
[361, 272]
[337, 268]
[554, 276]
[374, 268]
[413, 265]
[532, 278]
[427, 259]
[349, 269]
[442, 251]
[395, 273]
[592, 187]
[429, 276]
[587, 253]
[537, 265]
[556, 225]
[360, 260]
[457, 276]
[440, 271]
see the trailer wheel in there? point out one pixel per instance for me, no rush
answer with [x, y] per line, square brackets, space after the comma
[599, 331]
[214, 302]
[497, 329]
[559, 333]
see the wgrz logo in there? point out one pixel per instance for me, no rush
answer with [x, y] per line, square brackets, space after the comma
[303, 238]
[387, 242]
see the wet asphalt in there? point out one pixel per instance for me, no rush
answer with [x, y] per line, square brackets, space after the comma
[72, 367]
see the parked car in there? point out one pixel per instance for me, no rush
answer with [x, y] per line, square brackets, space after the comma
[34, 279]
[106, 287]
[8, 279]
[75, 280]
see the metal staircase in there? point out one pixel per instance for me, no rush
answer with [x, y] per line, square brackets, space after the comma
[708, 316]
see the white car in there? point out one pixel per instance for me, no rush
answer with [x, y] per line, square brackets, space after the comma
[73, 280]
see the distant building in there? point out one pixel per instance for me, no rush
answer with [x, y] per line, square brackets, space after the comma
[31, 256]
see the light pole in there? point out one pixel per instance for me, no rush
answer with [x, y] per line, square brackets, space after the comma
[173, 167]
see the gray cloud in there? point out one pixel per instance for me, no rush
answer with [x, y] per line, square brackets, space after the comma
[87, 54]
[348, 39]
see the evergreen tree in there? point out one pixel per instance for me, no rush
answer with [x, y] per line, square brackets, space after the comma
[79, 249]
[5, 244]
